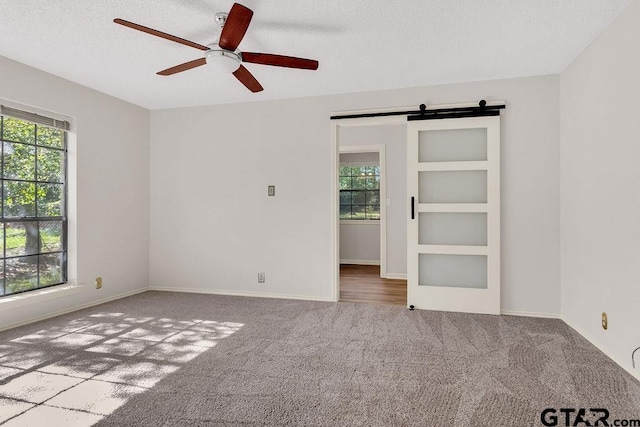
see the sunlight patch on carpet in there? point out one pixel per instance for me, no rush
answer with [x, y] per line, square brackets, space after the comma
[80, 372]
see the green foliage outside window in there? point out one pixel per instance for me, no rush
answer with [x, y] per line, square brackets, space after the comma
[360, 192]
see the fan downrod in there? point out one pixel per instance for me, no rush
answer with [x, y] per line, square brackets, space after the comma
[221, 18]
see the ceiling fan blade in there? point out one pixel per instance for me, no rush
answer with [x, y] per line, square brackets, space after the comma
[279, 60]
[235, 27]
[159, 34]
[183, 67]
[247, 79]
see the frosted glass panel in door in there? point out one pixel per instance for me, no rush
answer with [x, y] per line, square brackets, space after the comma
[452, 271]
[453, 187]
[452, 145]
[447, 228]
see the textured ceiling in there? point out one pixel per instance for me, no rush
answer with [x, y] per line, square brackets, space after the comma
[361, 44]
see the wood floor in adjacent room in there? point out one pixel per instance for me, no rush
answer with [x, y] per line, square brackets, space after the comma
[362, 283]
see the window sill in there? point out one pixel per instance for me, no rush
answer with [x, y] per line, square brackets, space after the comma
[360, 221]
[20, 300]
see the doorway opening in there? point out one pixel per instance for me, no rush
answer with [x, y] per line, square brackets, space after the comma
[370, 210]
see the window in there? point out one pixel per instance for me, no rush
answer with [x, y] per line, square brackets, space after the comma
[360, 192]
[33, 221]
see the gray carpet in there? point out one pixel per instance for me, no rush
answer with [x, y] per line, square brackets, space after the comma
[169, 359]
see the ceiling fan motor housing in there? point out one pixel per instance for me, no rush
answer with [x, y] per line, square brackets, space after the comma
[223, 60]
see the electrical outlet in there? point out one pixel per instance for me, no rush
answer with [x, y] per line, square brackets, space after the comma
[605, 321]
[271, 190]
[98, 282]
[261, 278]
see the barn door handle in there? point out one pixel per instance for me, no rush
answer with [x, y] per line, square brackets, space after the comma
[413, 207]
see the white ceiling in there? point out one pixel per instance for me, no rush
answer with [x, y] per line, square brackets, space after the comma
[361, 44]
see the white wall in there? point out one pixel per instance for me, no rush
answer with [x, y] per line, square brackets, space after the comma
[600, 186]
[214, 228]
[394, 138]
[109, 147]
[360, 243]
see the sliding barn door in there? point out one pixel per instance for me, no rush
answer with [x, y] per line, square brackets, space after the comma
[454, 215]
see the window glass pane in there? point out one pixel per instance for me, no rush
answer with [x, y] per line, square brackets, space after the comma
[359, 170]
[345, 183]
[18, 131]
[345, 198]
[1, 243]
[359, 183]
[19, 199]
[50, 165]
[50, 137]
[358, 212]
[19, 161]
[373, 182]
[50, 236]
[50, 197]
[345, 212]
[50, 269]
[358, 197]
[22, 238]
[2, 277]
[373, 197]
[370, 170]
[345, 170]
[21, 274]
[373, 212]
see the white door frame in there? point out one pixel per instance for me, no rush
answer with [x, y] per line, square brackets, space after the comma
[335, 193]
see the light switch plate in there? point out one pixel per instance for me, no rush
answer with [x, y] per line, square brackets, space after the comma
[271, 190]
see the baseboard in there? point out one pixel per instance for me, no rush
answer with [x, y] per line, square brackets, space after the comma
[238, 294]
[76, 308]
[617, 361]
[359, 262]
[395, 276]
[530, 314]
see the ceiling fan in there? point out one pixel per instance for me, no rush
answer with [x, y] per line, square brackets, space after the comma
[224, 53]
